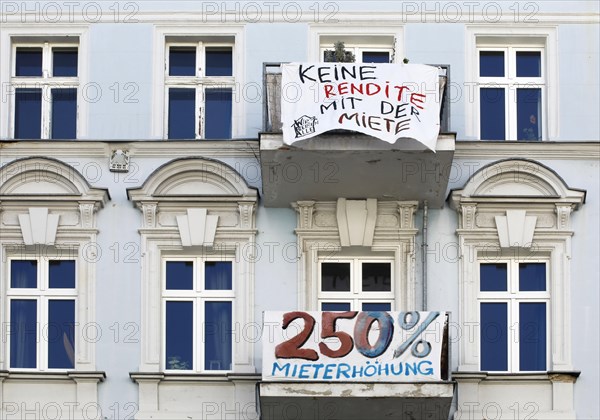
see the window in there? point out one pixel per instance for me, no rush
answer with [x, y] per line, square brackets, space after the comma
[512, 100]
[198, 312]
[41, 314]
[199, 90]
[377, 49]
[356, 284]
[45, 81]
[513, 310]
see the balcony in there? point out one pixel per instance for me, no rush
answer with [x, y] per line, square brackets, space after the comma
[349, 164]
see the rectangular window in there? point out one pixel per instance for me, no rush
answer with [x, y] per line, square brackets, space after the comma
[511, 85]
[199, 90]
[356, 52]
[198, 306]
[45, 81]
[358, 284]
[41, 298]
[513, 310]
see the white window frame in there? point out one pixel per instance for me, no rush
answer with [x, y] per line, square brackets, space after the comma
[510, 83]
[198, 295]
[513, 297]
[356, 297]
[176, 34]
[488, 37]
[36, 36]
[370, 33]
[199, 82]
[41, 294]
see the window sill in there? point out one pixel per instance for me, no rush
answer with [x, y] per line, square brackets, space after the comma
[552, 376]
[193, 377]
[99, 376]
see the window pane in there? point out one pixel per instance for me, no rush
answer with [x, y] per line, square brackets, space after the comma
[335, 306]
[218, 113]
[182, 113]
[492, 277]
[376, 277]
[491, 102]
[217, 275]
[532, 336]
[64, 113]
[64, 62]
[532, 277]
[23, 274]
[491, 63]
[61, 334]
[182, 61]
[180, 335]
[376, 306]
[494, 338]
[218, 333]
[529, 114]
[529, 64]
[376, 57]
[219, 62]
[61, 274]
[28, 113]
[335, 277]
[23, 333]
[29, 62]
[180, 275]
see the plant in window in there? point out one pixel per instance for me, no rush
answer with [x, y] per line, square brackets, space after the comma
[175, 363]
[339, 54]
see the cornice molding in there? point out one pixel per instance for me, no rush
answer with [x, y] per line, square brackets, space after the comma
[566, 150]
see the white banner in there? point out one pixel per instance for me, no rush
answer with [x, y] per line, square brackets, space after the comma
[353, 346]
[387, 101]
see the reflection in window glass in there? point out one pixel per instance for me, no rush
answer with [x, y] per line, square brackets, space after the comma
[376, 277]
[180, 275]
[532, 336]
[335, 306]
[529, 114]
[375, 57]
[218, 335]
[491, 63]
[182, 61]
[492, 277]
[61, 334]
[529, 64]
[28, 113]
[61, 274]
[182, 113]
[492, 113]
[218, 113]
[179, 335]
[28, 62]
[64, 114]
[219, 61]
[217, 275]
[335, 277]
[376, 306]
[23, 333]
[64, 62]
[494, 337]
[23, 274]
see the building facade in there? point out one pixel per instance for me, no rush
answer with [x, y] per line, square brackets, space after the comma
[151, 213]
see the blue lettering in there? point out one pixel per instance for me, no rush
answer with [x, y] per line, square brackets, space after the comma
[385, 367]
[343, 369]
[303, 372]
[356, 373]
[317, 367]
[410, 368]
[399, 369]
[426, 371]
[283, 368]
[294, 371]
[328, 369]
[368, 373]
